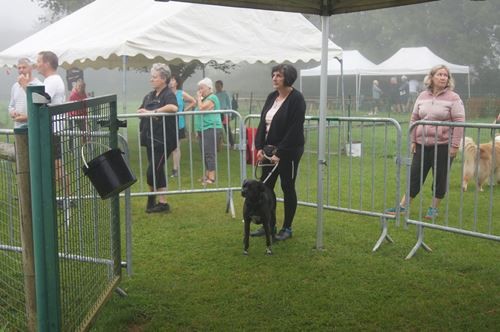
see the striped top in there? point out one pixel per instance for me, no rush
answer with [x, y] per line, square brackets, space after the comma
[446, 106]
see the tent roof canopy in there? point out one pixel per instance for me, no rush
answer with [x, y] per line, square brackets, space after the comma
[99, 34]
[354, 63]
[318, 7]
[414, 61]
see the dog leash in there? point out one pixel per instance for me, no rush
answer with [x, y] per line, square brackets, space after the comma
[262, 165]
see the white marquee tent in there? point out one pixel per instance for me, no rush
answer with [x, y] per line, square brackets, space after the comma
[353, 63]
[415, 61]
[102, 33]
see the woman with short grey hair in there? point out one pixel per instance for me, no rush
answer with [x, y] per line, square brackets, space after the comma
[160, 100]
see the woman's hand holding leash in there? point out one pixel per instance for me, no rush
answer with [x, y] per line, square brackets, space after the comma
[260, 155]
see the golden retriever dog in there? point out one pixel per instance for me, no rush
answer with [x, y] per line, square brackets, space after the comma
[485, 164]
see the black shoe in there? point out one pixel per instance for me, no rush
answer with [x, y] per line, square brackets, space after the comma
[151, 204]
[284, 234]
[160, 207]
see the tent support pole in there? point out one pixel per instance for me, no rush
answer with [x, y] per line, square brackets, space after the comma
[124, 87]
[322, 127]
[468, 83]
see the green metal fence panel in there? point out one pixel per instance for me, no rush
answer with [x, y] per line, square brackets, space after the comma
[77, 233]
[12, 300]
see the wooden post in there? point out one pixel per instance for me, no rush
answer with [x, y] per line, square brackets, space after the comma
[23, 184]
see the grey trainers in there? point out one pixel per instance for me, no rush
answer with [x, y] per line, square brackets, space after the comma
[392, 210]
[284, 234]
[432, 213]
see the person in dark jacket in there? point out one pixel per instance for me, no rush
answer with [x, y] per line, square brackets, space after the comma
[281, 126]
[158, 134]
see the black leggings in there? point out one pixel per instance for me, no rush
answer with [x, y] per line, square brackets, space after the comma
[439, 170]
[159, 162]
[287, 171]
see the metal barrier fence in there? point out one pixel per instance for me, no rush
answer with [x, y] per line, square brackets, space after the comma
[13, 314]
[191, 171]
[363, 167]
[472, 212]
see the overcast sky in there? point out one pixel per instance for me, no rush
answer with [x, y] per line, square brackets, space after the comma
[12, 13]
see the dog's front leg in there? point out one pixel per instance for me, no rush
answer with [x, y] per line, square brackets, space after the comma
[267, 229]
[246, 236]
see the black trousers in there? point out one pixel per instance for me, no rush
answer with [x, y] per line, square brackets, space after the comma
[425, 164]
[156, 169]
[287, 172]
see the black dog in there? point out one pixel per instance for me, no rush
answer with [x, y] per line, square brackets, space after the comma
[259, 207]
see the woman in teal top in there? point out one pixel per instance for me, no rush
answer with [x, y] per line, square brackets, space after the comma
[208, 128]
[185, 103]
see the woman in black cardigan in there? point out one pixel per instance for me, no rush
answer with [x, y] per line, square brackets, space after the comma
[282, 126]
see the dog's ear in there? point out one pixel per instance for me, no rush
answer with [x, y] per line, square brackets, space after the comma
[244, 188]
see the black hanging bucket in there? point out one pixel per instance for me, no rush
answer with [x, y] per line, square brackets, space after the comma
[108, 172]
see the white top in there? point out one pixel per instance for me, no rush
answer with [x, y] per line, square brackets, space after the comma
[54, 86]
[18, 100]
[413, 84]
[272, 111]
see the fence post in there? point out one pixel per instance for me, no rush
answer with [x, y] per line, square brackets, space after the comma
[24, 194]
[41, 164]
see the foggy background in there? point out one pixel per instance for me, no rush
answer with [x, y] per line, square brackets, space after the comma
[376, 34]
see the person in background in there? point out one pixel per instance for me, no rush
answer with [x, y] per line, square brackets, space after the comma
[208, 127]
[185, 102]
[376, 96]
[281, 126]
[225, 104]
[437, 103]
[47, 64]
[394, 103]
[158, 134]
[404, 93]
[78, 93]
[18, 110]
[414, 89]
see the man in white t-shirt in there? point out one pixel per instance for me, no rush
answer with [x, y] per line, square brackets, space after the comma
[47, 63]
[18, 109]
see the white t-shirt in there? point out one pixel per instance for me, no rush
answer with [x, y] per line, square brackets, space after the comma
[54, 86]
[18, 100]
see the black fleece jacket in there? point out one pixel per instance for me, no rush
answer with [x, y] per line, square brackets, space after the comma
[287, 128]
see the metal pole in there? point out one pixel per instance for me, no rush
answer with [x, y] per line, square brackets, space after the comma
[23, 180]
[124, 87]
[43, 213]
[322, 128]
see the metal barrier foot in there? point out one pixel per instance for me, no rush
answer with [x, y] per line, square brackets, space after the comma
[420, 243]
[120, 292]
[384, 235]
[230, 203]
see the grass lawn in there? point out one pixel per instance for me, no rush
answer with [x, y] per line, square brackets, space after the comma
[190, 274]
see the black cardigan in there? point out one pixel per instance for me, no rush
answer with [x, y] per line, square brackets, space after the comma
[287, 127]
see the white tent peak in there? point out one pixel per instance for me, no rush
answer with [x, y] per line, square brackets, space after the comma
[146, 31]
[414, 61]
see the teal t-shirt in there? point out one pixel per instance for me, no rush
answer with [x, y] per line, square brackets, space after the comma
[204, 122]
[180, 104]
